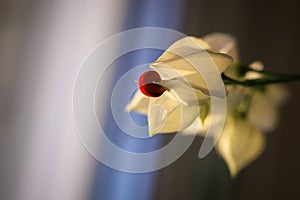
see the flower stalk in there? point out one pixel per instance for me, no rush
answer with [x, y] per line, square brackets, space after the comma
[267, 78]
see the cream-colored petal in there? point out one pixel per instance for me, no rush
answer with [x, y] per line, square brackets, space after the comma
[185, 93]
[277, 93]
[211, 122]
[198, 126]
[156, 119]
[172, 122]
[166, 115]
[263, 113]
[167, 99]
[139, 103]
[198, 62]
[239, 144]
[188, 57]
[257, 65]
[223, 43]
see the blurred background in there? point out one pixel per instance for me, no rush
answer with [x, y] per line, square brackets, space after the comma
[43, 43]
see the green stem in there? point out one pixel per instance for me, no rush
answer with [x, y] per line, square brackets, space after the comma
[245, 68]
[261, 81]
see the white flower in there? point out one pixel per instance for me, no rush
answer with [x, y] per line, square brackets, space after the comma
[178, 106]
[251, 111]
[176, 91]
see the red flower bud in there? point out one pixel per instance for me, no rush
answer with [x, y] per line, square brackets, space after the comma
[148, 84]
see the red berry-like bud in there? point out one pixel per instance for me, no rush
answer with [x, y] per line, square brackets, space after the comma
[148, 84]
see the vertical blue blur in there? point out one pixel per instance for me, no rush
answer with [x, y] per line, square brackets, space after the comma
[110, 184]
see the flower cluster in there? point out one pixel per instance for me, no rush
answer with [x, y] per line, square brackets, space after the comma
[176, 85]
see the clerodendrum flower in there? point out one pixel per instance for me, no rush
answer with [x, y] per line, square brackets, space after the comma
[242, 139]
[176, 85]
[251, 111]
